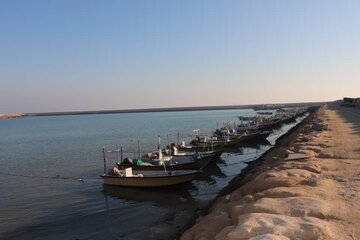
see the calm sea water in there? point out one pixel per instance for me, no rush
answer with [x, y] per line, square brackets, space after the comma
[43, 158]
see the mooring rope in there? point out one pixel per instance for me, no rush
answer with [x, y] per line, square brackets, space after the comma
[48, 177]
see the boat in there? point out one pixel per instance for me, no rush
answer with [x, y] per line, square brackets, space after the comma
[214, 154]
[170, 158]
[199, 148]
[255, 135]
[167, 162]
[264, 112]
[217, 141]
[126, 177]
[148, 179]
[226, 136]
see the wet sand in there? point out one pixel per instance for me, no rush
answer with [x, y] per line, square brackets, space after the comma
[311, 198]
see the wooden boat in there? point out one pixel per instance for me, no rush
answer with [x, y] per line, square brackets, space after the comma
[217, 142]
[221, 138]
[270, 125]
[255, 136]
[264, 113]
[199, 148]
[214, 154]
[147, 179]
[172, 163]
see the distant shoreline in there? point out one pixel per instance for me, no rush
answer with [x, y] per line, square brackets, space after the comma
[172, 109]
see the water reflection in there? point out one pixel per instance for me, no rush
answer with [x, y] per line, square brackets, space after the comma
[255, 144]
[168, 197]
[210, 172]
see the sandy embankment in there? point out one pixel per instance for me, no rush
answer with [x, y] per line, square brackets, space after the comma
[313, 198]
[11, 115]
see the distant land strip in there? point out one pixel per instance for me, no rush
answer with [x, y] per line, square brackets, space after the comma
[172, 109]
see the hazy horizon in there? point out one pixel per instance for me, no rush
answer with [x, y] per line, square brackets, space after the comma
[94, 55]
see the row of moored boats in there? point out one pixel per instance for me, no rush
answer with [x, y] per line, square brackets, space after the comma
[179, 163]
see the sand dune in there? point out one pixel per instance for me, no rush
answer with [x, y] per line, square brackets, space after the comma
[311, 198]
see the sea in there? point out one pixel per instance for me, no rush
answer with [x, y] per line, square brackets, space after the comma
[50, 171]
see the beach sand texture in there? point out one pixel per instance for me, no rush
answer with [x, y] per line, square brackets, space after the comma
[313, 198]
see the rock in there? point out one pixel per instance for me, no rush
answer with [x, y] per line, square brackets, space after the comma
[259, 224]
[227, 197]
[310, 181]
[319, 126]
[341, 179]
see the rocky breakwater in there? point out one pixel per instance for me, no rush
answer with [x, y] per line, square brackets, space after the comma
[11, 115]
[306, 188]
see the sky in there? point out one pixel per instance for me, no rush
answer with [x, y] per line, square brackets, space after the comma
[78, 55]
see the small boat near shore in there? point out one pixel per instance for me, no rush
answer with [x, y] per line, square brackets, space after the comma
[171, 163]
[170, 158]
[215, 154]
[255, 136]
[199, 148]
[149, 179]
[126, 177]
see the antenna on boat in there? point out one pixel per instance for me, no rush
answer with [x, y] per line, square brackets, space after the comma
[103, 150]
[139, 149]
[158, 143]
[121, 154]
[117, 152]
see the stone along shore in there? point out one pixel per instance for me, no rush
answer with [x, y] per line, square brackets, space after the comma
[306, 188]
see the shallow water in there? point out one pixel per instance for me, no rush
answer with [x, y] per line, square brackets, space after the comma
[43, 158]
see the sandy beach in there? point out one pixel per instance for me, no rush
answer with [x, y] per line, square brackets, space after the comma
[314, 195]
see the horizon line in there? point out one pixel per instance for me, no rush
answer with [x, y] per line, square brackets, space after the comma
[170, 109]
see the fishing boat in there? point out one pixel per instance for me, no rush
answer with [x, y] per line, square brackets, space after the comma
[215, 141]
[223, 137]
[207, 147]
[159, 162]
[146, 179]
[255, 135]
[264, 112]
[126, 177]
[214, 154]
[170, 158]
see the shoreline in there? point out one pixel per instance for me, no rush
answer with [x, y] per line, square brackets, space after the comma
[170, 109]
[236, 182]
[273, 198]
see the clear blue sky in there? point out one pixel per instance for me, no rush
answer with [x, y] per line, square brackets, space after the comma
[86, 55]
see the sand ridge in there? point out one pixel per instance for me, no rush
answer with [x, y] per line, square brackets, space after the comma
[312, 198]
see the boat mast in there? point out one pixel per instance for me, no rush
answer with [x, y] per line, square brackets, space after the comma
[139, 149]
[160, 154]
[104, 160]
[158, 146]
[121, 154]
[117, 152]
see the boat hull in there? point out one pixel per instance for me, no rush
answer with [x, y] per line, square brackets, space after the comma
[217, 144]
[200, 148]
[193, 165]
[149, 182]
[258, 136]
